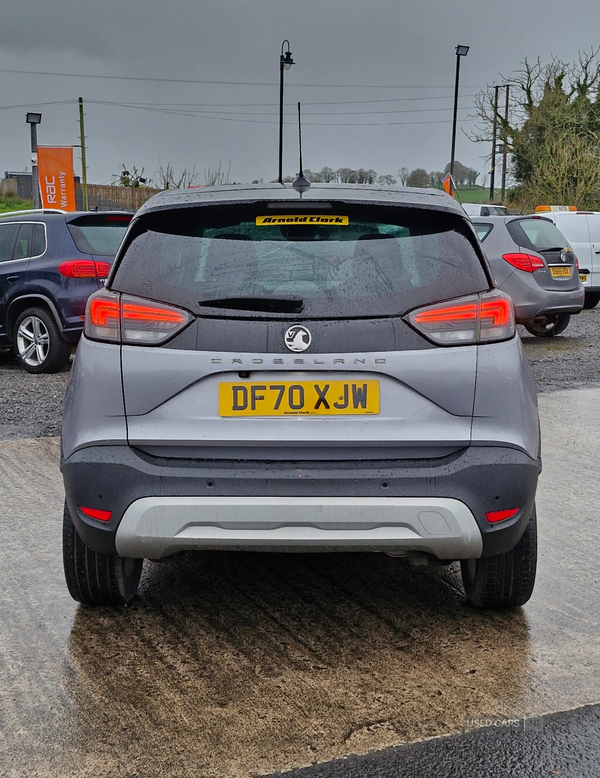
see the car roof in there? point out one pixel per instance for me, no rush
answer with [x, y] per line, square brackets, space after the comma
[434, 199]
[48, 214]
[506, 219]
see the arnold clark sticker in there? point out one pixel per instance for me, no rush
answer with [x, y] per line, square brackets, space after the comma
[262, 221]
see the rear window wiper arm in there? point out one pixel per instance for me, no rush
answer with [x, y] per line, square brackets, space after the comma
[281, 304]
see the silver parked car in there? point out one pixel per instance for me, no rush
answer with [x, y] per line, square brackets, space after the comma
[532, 262]
[323, 370]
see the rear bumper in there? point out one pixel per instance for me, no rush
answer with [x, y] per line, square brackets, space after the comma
[155, 527]
[549, 302]
[345, 505]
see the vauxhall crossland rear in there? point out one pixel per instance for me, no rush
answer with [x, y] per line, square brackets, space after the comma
[276, 371]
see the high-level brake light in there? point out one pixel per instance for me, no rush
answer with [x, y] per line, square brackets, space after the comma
[478, 318]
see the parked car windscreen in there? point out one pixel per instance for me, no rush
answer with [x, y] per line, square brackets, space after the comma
[536, 234]
[346, 262]
[99, 234]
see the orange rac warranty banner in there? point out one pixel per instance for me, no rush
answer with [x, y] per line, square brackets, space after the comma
[57, 183]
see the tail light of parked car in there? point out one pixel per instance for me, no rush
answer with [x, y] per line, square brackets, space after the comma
[123, 318]
[84, 268]
[527, 262]
[479, 318]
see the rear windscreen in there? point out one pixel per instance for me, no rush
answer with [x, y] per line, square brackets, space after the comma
[347, 262]
[537, 234]
[99, 234]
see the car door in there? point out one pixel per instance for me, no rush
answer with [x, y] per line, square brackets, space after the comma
[593, 220]
[575, 228]
[15, 238]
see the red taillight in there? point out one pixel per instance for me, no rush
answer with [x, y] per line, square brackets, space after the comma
[96, 513]
[494, 516]
[78, 268]
[118, 318]
[527, 262]
[474, 319]
[84, 268]
[103, 312]
[102, 269]
[119, 219]
[153, 313]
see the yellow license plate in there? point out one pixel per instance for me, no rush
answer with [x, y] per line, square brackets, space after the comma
[560, 272]
[582, 278]
[299, 398]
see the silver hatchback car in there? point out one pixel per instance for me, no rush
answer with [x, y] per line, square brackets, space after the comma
[533, 263]
[323, 370]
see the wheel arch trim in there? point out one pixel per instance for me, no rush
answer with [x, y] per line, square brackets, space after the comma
[33, 298]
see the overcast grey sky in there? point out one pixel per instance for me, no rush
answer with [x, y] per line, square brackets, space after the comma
[375, 78]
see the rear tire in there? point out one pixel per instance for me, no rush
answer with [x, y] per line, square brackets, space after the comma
[504, 580]
[549, 326]
[591, 300]
[38, 343]
[93, 578]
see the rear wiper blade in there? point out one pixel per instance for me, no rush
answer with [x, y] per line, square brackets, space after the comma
[553, 248]
[282, 304]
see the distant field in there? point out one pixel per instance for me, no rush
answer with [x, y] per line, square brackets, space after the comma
[14, 204]
[476, 194]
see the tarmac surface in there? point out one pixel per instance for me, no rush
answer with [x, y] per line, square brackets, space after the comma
[235, 665]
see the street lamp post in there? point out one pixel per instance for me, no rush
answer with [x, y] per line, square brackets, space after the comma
[461, 51]
[33, 119]
[285, 63]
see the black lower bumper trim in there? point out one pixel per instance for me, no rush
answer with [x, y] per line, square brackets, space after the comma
[484, 478]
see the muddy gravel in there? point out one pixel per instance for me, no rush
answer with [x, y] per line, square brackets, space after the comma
[31, 405]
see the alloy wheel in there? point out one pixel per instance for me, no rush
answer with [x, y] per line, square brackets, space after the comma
[33, 341]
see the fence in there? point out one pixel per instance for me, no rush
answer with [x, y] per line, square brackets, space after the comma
[107, 198]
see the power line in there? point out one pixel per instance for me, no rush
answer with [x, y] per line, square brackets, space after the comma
[265, 121]
[231, 83]
[31, 105]
[267, 105]
[200, 112]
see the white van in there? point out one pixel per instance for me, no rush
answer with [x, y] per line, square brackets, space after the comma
[477, 209]
[582, 230]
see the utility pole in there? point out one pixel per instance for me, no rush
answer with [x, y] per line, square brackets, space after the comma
[505, 147]
[494, 141]
[33, 119]
[83, 165]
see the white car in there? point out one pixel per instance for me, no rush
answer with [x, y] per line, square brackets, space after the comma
[582, 231]
[479, 209]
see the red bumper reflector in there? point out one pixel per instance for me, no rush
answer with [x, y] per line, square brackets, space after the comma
[494, 516]
[96, 513]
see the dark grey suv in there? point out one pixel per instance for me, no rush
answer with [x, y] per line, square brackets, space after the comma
[331, 370]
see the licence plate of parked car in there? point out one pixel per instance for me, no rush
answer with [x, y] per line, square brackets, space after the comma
[582, 278]
[560, 272]
[299, 398]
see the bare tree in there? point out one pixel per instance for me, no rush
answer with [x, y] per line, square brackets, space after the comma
[403, 175]
[216, 176]
[166, 178]
[552, 131]
[386, 180]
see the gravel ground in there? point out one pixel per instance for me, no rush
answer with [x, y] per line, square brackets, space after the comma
[31, 405]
